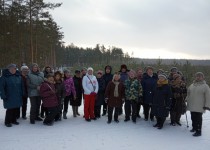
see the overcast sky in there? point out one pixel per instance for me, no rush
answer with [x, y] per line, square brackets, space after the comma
[148, 28]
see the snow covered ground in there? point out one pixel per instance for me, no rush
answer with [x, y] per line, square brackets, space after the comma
[77, 134]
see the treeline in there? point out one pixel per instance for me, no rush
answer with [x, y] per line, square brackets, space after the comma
[28, 32]
[77, 56]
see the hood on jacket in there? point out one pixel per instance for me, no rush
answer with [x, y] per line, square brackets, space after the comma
[108, 66]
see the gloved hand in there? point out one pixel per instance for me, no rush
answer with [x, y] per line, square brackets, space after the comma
[206, 108]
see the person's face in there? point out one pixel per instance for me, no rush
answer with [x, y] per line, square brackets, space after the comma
[77, 74]
[199, 78]
[140, 72]
[84, 71]
[90, 72]
[25, 71]
[123, 70]
[57, 77]
[99, 75]
[12, 70]
[108, 70]
[35, 69]
[161, 79]
[48, 70]
[51, 79]
[131, 75]
[67, 74]
[150, 72]
[116, 77]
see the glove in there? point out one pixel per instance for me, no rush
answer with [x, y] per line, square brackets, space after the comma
[106, 100]
[206, 108]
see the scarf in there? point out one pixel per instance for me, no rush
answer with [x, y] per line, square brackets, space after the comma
[116, 93]
[159, 83]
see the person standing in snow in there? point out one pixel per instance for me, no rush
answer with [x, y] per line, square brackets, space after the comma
[108, 76]
[49, 99]
[148, 83]
[198, 100]
[140, 101]
[100, 95]
[162, 100]
[34, 80]
[70, 92]
[179, 91]
[133, 90]
[24, 74]
[60, 92]
[90, 86]
[123, 76]
[78, 87]
[11, 90]
[114, 96]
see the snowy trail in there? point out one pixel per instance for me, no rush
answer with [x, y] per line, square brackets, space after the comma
[77, 134]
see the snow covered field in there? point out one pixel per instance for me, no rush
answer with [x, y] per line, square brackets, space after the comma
[77, 134]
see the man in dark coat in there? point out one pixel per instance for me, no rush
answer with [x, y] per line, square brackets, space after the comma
[11, 89]
[108, 76]
[149, 83]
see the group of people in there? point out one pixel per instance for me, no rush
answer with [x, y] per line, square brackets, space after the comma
[159, 94]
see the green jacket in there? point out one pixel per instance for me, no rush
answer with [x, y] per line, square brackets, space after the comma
[133, 89]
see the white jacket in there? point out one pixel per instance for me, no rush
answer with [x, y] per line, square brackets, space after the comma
[198, 96]
[87, 85]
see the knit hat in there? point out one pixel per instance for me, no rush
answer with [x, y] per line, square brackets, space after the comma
[24, 68]
[90, 68]
[77, 71]
[162, 75]
[174, 69]
[199, 74]
[66, 71]
[11, 66]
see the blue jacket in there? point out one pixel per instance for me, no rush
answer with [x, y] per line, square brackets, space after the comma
[148, 84]
[11, 89]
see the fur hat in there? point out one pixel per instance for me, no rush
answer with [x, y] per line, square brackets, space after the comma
[199, 74]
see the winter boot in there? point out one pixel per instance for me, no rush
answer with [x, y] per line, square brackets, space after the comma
[64, 115]
[197, 133]
[77, 113]
[74, 111]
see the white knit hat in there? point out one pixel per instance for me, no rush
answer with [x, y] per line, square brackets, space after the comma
[24, 68]
[90, 68]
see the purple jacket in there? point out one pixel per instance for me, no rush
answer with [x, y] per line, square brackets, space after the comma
[69, 86]
[48, 94]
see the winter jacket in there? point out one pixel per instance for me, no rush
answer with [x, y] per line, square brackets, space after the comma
[198, 96]
[79, 91]
[34, 80]
[107, 76]
[60, 91]
[133, 89]
[162, 100]
[69, 87]
[179, 91]
[115, 101]
[89, 86]
[48, 94]
[148, 84]
[11, 89]
[24, 79]
[101, 91]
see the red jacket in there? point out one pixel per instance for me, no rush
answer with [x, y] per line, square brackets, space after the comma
[48, 94]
